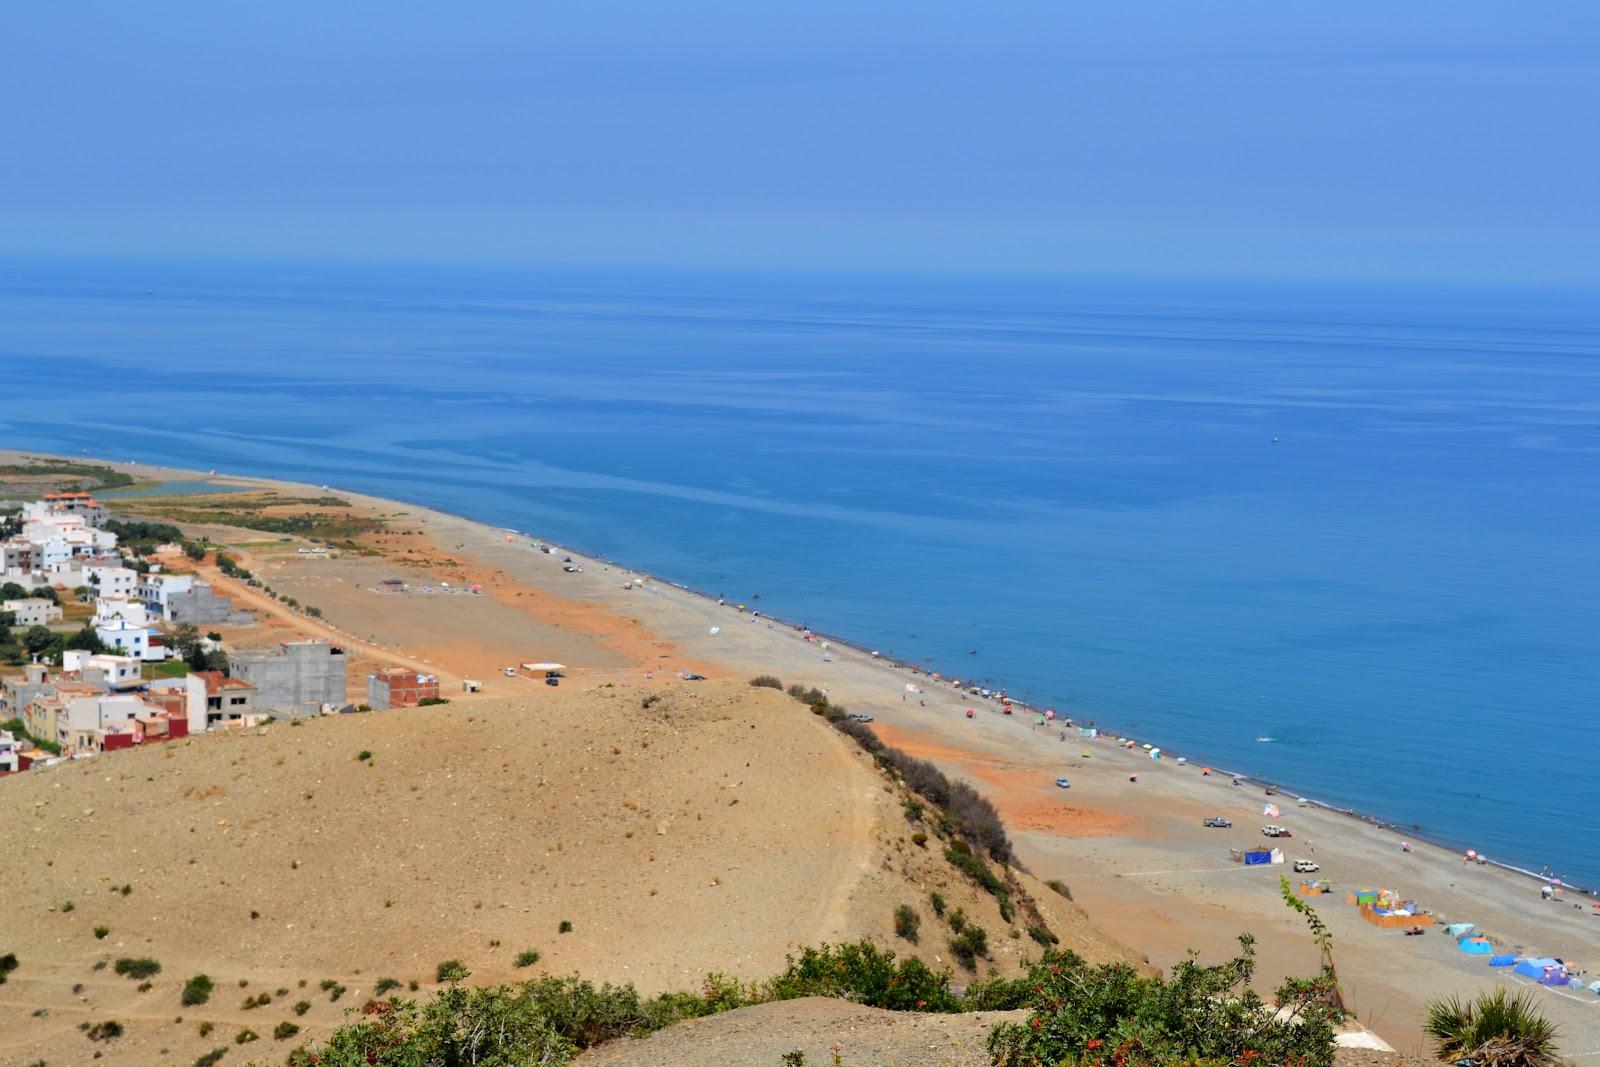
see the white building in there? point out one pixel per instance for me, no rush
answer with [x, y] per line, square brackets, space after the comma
[84, 717]
[131, 639]
[110, 579]
[114, 609]
[157, 591]
[120, 672]
[33, 612]
[9, 750]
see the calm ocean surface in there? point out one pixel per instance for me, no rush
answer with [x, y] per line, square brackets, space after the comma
[1078, 481]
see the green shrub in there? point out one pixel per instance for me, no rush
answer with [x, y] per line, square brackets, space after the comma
[383, 986]
[861, 972]
[766, 681]
[450, 971]
[919, 839]
[498, 1025]
[1507, 1031]
[971, 943]
[1210, 1014]
[1043, 936]
[364, 755]
[210, 1058]
[969, 863]
[197, 990]
[206, 1028]
[67, 906]
[142, 967]
[100, 932]
[527, 958]
[937, 903]
[428, 702]
[244, 1037]
[109, 1030]
[1060, 887]
[906, 921]
[565, 927]
[302, 1006]
[284, 1030]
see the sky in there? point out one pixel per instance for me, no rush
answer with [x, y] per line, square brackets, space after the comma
[1438, 141]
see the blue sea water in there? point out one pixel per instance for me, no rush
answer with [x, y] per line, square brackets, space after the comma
[1364, 522]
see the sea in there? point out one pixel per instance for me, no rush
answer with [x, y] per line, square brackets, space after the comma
[1343, 537]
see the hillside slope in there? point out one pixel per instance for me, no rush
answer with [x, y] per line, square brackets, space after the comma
[698, 829]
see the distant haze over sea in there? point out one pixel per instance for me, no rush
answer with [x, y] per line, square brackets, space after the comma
[1363, 522]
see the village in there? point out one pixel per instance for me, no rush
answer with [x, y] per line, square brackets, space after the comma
[119, 647]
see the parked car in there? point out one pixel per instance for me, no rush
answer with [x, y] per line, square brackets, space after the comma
[1275, 831]
[551, 679]
[690, 676]
[1220, 823]
[858, 717]
[1306, 867]
[570, 569]
[1062, 783]
[509, 672]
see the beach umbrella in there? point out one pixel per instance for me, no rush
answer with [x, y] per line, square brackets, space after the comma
[1155, 753]
[911, 688]
[1050, 714]
[1271, 811]
[970, 713]
[1205, 770]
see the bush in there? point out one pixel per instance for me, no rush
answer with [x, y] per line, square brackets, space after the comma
[302, 1006]
[906, 921]
[919, 839]
[100, 932]
[206, 1028]
[1060, 887]
[969, 863]
[142, 967]
[450, 971]
[210, 1058]
[364, 755]
[937, 903]
[244, 1037]
[565, 927]
[865, 974]
[109, 1030]
[766, 681]
[1043, 936]
[971, 943]
[1199, 1013]
[494, 1025]
[284, 1030]
[527, 958]
[383, 986]
[197, 990]
[1507, 1031]
[428, 702]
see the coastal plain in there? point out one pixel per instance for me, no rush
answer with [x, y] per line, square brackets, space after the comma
[1153, 883]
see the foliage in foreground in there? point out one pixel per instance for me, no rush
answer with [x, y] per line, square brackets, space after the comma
[1080, 1014]
[1494, 1029]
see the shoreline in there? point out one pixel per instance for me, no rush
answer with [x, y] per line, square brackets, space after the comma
[1440, 841]
[1135, 856]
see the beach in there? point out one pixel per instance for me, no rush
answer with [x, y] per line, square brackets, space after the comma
[1134, 853]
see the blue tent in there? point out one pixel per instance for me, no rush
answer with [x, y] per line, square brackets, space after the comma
[1503, 961]
[1477, 946]
[1536, 967]
[1257, 855]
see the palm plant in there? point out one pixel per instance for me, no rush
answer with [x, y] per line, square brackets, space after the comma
[1492, 1030]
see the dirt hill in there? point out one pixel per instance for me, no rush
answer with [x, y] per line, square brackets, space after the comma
[696, 829]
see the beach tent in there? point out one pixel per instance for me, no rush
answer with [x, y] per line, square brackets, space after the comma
[1476, 946]
[1506, 960]
[1257, 856]
[1537, 967]
[1594, 987]
[1365, 896]
[1458, 929]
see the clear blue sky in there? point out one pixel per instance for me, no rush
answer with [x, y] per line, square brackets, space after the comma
[1452, 140]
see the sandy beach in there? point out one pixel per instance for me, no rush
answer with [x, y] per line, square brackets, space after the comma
[1134, 853]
